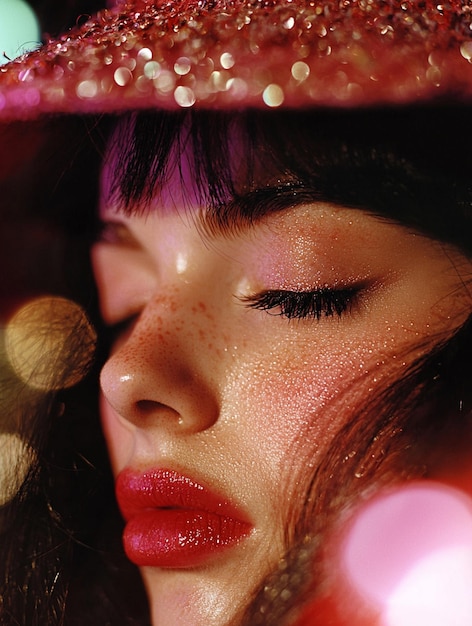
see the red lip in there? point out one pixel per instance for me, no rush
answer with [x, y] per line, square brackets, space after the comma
[173, 521]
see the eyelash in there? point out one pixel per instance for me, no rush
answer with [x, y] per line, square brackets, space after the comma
[325, 302]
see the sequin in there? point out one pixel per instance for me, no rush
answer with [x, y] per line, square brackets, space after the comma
[466, 50]
[184, 96]
[152, 69]
[273, 95]
[122, 76]
[260, 53]
[145, 54]
[218, 82]
[434, 75]
[26, 76]
[300, 70]
[164, 83]
[182, 66]
[227, 60]
[237, 87]
[87, 89]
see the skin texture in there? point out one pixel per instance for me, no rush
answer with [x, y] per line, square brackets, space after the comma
[244, 400]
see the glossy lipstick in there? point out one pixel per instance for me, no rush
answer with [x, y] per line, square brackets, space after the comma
[173, 521]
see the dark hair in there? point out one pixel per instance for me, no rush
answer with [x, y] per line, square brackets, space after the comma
[409, 165]
[61, 559]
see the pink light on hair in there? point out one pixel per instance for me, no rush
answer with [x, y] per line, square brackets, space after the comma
[409, 555]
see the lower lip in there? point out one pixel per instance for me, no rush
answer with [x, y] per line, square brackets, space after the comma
[180, 538]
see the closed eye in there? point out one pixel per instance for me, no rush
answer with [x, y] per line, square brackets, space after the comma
[316, 304]
[118, 332]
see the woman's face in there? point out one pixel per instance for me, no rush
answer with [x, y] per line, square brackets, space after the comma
[242, 349]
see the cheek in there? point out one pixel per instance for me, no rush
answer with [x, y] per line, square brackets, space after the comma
[287, 411]
[118, 436]
[294, 399]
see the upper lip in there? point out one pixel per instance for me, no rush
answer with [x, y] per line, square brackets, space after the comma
[160, 488]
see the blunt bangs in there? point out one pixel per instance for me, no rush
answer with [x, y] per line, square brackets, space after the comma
[398, 164]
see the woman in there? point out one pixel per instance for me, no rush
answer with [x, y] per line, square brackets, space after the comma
[285, 295]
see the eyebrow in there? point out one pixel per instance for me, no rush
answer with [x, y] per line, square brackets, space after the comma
[249, 208]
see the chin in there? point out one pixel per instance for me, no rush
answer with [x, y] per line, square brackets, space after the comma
[205, 596]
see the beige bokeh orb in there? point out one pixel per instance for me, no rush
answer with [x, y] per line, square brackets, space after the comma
[50, 343]
[16, 457]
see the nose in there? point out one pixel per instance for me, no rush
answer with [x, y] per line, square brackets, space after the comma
[158, 377]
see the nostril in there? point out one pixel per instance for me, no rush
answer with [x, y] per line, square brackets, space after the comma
[148, 406]
[151, 412]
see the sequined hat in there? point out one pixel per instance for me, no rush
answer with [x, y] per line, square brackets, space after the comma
[235, 53]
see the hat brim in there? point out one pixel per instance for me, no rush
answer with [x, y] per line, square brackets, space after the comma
[236, 54]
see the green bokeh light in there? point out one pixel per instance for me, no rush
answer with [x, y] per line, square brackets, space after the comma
[19, 29]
